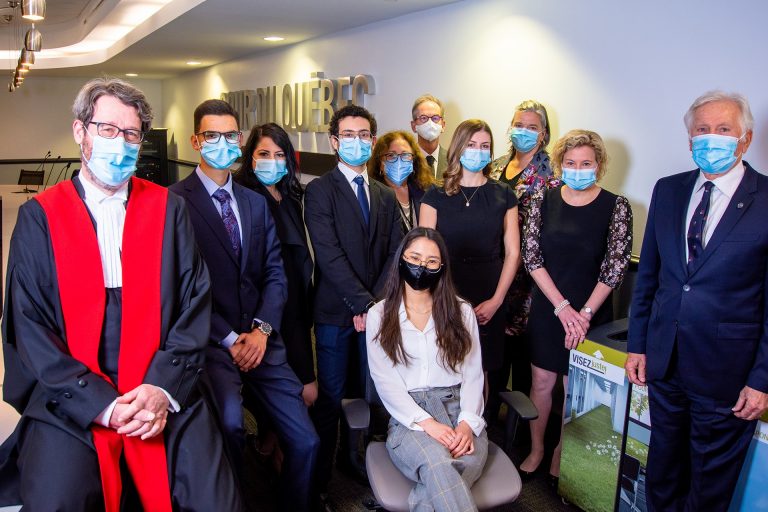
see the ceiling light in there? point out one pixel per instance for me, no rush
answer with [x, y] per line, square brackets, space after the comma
[27, 58]
[193, 63]
[132, 74]
[21, 70]
[33, 41]
[33, 10]
[274, 38]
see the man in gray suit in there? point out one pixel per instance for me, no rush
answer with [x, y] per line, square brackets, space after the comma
[428, 123]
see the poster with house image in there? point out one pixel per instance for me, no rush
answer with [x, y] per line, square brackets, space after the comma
[595, 412]
[635, 457]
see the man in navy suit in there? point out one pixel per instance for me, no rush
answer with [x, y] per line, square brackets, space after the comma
[355, 228]
[698, 327]
[237, 238]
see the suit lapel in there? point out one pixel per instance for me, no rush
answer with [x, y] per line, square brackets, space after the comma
[345, 189]
[375, 200]
[679, 213]
[245, 208]
[737, 206]
[202, 202]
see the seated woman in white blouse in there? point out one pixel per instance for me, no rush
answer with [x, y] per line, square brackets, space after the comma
[424, 357]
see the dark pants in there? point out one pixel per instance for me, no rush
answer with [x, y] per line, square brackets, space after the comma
[334, 345]
[518, 360]
[697, 449]
[278, 391]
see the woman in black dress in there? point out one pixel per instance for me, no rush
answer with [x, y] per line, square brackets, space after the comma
[398, 162]
[269, 168]
[477, 217]
[577, 244]
[526, 169]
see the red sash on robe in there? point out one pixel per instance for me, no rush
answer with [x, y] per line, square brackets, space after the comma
[81, 290]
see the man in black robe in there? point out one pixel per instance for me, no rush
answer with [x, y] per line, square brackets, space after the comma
[106, 317]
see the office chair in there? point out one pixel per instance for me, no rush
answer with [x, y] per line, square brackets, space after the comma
[499, 484]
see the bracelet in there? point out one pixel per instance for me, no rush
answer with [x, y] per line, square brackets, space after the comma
[562, 306]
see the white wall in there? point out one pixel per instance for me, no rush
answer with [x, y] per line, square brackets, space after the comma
[626, 70]
[38, 116]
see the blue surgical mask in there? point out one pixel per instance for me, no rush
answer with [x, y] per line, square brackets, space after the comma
[579, 179]
[354, 151]
[398, 171]
[269, 171]
[112, 161]
[523, 139]
[714, 154]
[475, 160]
[220, 155]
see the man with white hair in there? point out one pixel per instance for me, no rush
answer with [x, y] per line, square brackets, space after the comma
[697, 331]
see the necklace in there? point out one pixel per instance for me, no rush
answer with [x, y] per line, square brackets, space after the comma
[468, 199]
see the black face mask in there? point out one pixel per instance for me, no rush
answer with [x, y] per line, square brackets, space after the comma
[419, 277]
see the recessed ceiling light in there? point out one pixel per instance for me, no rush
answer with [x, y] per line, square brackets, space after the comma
[131, 74]
[193, 63]
[274, 38]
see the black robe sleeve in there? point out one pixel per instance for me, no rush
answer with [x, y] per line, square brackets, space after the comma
[186, 308]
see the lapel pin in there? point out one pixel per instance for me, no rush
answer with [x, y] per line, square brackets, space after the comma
[740, 205]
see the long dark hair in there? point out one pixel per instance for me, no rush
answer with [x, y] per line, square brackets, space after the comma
[289, 186]
[453, 339]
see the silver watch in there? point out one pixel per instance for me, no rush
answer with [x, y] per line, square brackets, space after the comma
[265, 328]
[588, 311]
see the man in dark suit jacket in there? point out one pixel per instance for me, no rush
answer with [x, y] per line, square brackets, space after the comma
[697, 331]
[355, 228]
[237, 238]
[428, 122]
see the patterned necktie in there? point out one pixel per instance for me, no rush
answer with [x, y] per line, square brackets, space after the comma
[431, 161]
[696, 227]
[363, 199]
[230, 221]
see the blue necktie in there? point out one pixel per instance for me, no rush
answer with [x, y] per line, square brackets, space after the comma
[696, 227]
[363, 199]
[230, 221]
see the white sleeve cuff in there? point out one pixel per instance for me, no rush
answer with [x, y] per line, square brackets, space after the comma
[173, 405]
[230, 339]
[103, 418]
[475, 422]
[418, 419]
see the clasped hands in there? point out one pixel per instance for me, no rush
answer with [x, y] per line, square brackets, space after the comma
[458, 441]
[249, 349]
[575, 324]
[142, 411]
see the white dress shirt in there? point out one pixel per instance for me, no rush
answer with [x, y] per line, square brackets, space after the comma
[724, 188]
[211, 187]
[350, 175]
[109, 214]
[425, 370]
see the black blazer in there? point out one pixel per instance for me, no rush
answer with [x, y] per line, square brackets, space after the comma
[350, 259]
[717, 313]
[254, 286]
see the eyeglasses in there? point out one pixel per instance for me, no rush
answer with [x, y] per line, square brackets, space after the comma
[213, 137]
[404, 157]
[431, 264]
[423, 119]
[110, 131]
[362, 135]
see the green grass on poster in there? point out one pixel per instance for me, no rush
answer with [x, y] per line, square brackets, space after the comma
[590, 462]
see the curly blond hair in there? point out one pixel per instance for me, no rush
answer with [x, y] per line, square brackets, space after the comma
[575, 139]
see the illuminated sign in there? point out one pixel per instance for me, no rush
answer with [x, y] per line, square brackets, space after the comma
[302, 106]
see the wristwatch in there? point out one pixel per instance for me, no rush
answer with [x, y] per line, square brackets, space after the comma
[588, 311]
[265, 328]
